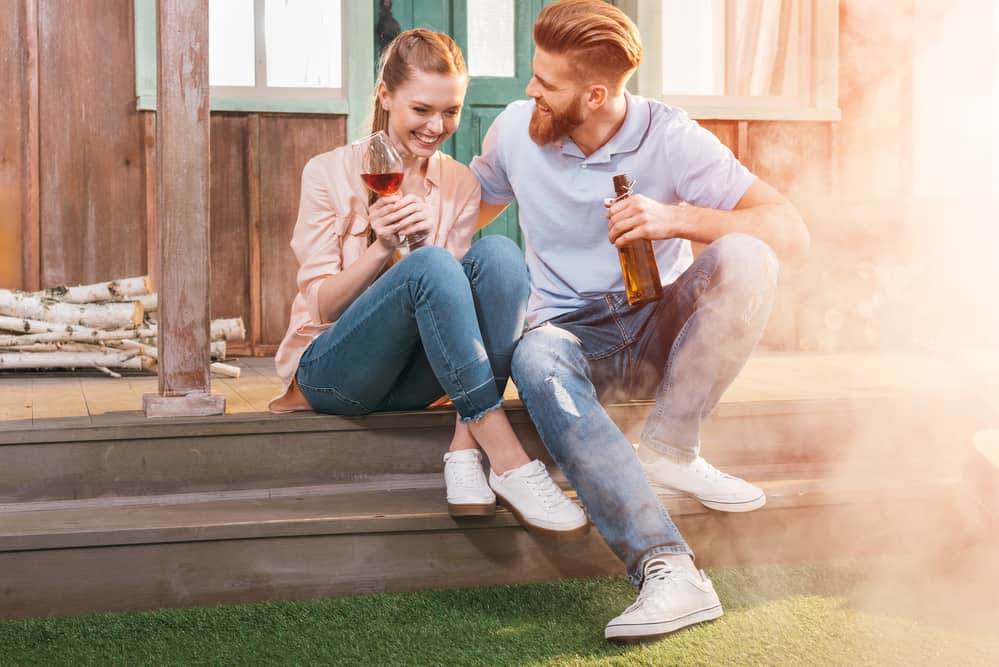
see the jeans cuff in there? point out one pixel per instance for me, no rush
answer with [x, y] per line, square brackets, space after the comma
[685, 455]
[636, 575]
[480, 415]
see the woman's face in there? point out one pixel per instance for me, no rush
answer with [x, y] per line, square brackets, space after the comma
[424, 111]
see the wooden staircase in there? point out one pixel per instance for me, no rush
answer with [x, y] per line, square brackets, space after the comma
[138, 514]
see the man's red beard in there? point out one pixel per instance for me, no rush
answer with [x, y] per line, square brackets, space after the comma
[547, 128]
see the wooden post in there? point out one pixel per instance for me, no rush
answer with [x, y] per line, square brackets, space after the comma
[182, 212]
[32, 261]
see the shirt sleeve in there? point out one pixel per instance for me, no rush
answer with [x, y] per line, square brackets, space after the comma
[459, 238]
[317, 239]
[490, 168]
[708, 175]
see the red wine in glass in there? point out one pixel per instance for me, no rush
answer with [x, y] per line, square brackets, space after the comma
[384, 184]
[381, 171]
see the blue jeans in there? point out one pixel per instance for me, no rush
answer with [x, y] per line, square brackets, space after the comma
[428, 326]
[684, 349]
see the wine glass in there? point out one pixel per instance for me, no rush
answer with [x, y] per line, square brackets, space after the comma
[381, 171]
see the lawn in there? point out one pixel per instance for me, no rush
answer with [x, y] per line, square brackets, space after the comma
[808, 614]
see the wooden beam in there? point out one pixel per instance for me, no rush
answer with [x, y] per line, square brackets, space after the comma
[182, 212]
[32, 234]
[149, 168]
[253, 194]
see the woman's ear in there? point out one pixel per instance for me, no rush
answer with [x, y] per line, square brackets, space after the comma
[384, 99]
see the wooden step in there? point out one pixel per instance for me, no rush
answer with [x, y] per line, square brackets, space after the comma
[135, 456]
[286, 543]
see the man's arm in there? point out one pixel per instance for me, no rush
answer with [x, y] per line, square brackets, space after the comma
[762, 212]
[487, 213]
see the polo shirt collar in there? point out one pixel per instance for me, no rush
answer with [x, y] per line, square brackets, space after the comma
[627, 139]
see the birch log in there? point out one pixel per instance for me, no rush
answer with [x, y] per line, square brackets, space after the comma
[230, 330]
[96, 315]
[117, 359]
[114, 289]
[78, 335]
[217, 346]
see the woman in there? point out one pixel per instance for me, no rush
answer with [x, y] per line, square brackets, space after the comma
[372, 331]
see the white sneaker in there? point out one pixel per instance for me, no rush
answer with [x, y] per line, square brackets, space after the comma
[536, 500]
[468, 492]
[670, 599]
[713, 488]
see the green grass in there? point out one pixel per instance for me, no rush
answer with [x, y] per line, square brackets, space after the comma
[775, 615]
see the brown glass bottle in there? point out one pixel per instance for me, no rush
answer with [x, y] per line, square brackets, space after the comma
[638, 260]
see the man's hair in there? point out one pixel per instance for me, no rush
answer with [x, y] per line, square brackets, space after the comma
[602, 40]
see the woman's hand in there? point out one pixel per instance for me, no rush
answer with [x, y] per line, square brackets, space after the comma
[398, 216]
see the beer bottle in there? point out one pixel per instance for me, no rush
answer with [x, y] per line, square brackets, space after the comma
[638, 260]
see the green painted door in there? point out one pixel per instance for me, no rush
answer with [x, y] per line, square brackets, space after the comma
[499, 62]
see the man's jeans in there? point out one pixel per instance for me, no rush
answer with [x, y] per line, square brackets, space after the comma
[429, 326]
[685, 349]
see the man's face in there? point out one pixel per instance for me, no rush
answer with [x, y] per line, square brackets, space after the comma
[559, 100]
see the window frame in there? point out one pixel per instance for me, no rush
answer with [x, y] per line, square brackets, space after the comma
[354, 95]
[821, 77]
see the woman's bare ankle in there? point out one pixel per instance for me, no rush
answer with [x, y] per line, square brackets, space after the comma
[495, 436]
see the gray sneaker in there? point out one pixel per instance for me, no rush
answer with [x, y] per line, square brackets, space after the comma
[670, 599]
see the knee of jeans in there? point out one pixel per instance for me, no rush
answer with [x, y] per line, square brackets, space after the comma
[500, 259]
[541, 353]
[437, 264]
[747, 260]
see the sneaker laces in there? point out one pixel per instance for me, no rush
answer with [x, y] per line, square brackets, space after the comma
[544, 487]
[466, 473]
[708, 471]
[658, 574]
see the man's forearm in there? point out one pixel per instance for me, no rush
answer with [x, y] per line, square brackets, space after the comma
[778, 225]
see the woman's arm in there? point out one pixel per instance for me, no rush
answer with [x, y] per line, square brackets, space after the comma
[328, 286]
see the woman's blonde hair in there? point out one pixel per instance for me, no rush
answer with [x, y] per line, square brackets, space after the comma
[602, 40]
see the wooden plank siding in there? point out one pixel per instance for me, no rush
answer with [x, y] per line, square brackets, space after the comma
[93, 224]
[286, 144]
[851, 179]
[13, 111]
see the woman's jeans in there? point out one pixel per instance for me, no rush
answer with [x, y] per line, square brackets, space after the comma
[428, 326]
[684, 349]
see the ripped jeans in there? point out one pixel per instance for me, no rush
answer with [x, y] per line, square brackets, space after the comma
[429, 325]
[684, 349]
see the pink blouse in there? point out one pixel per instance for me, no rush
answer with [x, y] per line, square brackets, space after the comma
[332, 232]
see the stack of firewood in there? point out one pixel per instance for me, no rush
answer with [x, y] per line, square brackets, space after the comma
[103, 326]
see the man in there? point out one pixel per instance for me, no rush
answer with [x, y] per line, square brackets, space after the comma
[556, 155]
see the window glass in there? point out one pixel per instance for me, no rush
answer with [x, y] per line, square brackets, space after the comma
[491, 38]
[230, 43]
[303, 43]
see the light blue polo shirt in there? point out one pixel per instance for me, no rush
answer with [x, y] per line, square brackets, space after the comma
[560, 193]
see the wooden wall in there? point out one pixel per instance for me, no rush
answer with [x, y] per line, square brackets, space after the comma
[95, 159]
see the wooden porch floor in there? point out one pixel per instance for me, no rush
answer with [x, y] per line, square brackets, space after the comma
[29, 399]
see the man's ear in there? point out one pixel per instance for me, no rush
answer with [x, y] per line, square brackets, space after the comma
[597, 96]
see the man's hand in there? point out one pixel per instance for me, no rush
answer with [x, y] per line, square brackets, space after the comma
[638, 217]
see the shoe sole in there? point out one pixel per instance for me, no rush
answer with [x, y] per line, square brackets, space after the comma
[721, 505]
[471, 509]
[640, 632]
[534, 528]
